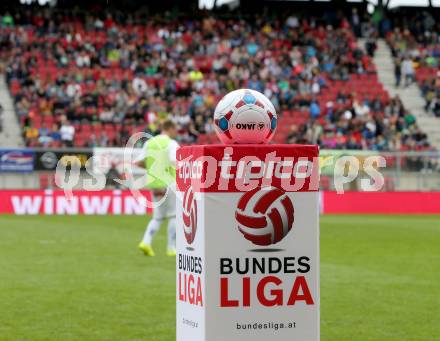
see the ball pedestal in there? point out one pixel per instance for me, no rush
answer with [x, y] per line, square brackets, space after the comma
[247, 243]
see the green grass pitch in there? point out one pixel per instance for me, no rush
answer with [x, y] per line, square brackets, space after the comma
[82, 278]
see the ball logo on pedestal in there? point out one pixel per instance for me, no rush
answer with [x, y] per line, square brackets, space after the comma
[189, 214]
[265, 216]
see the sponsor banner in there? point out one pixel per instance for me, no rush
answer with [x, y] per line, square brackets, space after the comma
[248, 260]
[48, 202]
[381, 203]
[230, 168]
[16, 160]
[48, 159]
[105, 159]
[34, 202]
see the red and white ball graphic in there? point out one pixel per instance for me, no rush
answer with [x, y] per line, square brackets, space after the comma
[265, 216]
[189, 215]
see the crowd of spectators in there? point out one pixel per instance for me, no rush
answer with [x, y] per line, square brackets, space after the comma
[415, 45]
[363, 125]
[88, 80]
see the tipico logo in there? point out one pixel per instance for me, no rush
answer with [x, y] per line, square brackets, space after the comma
[265, 215]
[189, 214]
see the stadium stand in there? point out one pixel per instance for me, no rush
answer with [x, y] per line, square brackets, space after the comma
[82, 80]
[416, 49]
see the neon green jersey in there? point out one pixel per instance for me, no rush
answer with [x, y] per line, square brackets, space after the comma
[160, 161]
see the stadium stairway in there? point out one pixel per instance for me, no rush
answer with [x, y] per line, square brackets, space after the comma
[10, 136]
[410, 96]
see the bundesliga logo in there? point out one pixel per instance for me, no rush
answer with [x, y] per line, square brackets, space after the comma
[189, 215]
[265, 216]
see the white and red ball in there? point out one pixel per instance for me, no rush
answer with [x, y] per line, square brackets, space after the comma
[245, 116]
[189, 215]
[265, 216]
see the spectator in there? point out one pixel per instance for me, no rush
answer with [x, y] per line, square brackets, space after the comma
[397, 71]
[7, 20]
[371, 46]
[139, 86]
[356, 22]
[54, 133]
[408, 71]
[67, 133]
[361, 109]
[315, 110]
[44, 137]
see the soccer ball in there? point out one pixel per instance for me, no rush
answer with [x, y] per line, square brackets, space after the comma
[245, 116]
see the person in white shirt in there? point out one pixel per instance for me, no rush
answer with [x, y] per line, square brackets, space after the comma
[67, 132]
[139, 86]
[408, 71]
